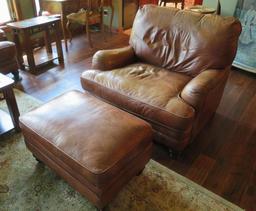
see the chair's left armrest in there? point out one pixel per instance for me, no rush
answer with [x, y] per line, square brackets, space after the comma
[112, 59]
[196, 91]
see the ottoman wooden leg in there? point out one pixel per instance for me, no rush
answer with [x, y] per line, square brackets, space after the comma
[175, 155]
[140, 172]
[39, 161]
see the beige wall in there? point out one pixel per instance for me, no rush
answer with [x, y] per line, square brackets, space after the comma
[117, 21]
[227, 6]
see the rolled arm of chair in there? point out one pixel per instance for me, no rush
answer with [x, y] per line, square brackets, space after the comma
[111, 59]
[196, 91]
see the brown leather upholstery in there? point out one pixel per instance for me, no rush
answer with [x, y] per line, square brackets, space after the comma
[8, 60]
[150, 95]
[2, 35]
[183, 41]
[173, 72]
[94, 146]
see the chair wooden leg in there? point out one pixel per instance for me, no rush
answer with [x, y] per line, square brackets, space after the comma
[69, 31]
[102, 209]
[183, 4]
[88, 35]
[140, 172]
[103, 31]
[39, 161]
[111, 19]
[16, 75]
[175, 155]
[102, 26]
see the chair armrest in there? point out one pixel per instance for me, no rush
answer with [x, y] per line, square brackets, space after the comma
[112, 59]
[182, 113]
[195, 92]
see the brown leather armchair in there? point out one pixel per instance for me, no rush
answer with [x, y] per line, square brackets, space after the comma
[8, 59]
[173, 73]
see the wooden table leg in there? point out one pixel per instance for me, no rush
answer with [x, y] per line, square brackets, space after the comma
[111, 18]
[183, 4]
[12, 106]
[29, 50]
[102, 26]
[58, 42]
[63, 26]
[47, 40]
[19, 50]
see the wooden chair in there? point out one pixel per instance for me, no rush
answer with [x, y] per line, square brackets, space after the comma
[176, 2]
[91, 13]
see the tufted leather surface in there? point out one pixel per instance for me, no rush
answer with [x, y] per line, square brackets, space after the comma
[183, 41]
[93, 138]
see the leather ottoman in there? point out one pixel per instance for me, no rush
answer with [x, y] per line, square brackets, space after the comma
[94, 146]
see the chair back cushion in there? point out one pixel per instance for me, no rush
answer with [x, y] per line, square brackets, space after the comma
[183, 41]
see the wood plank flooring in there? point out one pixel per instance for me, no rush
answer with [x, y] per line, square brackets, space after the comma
[223, 156]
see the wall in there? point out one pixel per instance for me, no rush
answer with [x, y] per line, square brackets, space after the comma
[227, 6]
[23, 8]
[117, 20]
[27, 8]
[118, 6]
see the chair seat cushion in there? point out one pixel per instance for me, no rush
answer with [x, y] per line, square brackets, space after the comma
[80, 17]
[147, 91]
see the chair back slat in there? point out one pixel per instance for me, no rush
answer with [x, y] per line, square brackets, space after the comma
[84, 4]
[89, 4]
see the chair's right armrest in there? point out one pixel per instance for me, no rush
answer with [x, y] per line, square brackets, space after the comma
[112, 59]
[197, 90]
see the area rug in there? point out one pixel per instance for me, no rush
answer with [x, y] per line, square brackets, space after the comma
[28, 185]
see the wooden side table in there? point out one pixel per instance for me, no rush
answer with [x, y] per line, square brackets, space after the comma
[28, 27]
[11, 121]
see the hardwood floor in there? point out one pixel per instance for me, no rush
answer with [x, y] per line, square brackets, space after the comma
[222, 158]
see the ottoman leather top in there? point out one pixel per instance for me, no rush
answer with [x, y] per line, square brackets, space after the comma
[87, 134]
